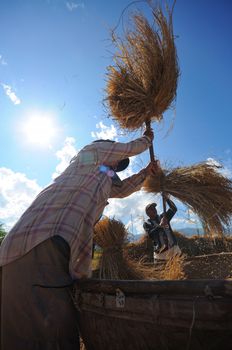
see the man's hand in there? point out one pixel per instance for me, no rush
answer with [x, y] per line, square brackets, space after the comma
[149, 133]
[164, 222]
[152, 168]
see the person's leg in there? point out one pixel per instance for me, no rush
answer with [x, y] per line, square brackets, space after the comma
[164, 242]
[157, 241]
[161, 237]
[37, 309]
[171, 237]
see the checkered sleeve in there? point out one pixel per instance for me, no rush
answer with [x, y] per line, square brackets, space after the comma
[129, 185]
[109, 153]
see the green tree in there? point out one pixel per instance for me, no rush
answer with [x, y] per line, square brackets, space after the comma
[2, 232]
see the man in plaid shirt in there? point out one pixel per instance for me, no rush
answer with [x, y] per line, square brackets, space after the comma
[51, 245]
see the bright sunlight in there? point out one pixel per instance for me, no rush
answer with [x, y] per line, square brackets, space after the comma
[39, 129]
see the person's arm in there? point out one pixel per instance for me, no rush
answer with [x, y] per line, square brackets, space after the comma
[129, 185]
[171, 211]
[151, 230]
[169, 214]
[146, 227]
[171, 205]
[134, 183]
[111, 152]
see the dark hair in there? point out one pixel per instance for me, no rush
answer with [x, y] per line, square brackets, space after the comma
[101, 140]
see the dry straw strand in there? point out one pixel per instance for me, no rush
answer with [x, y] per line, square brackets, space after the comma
[142, 84]
[202, 188]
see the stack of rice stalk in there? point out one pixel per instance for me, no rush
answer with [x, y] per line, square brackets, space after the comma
[202, 188]
[111, 236]
[142, 84]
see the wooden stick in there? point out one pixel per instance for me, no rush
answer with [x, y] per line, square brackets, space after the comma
[164, 203]
[151, 148]
[152, 158]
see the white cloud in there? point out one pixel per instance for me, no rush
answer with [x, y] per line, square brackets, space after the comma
[130, 170]
[11, 94]
[17, 191]
[131, 210]
[225, 170]
[2, 61]
[106, 132]
[228, 168]
[72, 6]
[212, 161]
[64, 155]
[16, 194]
[185, 219]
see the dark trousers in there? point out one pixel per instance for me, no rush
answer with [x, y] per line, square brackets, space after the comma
[37, 311]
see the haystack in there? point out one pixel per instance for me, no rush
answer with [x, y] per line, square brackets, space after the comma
[202, 188]
[142, 249]
[142, 84]
[111, 236]
[203, 245]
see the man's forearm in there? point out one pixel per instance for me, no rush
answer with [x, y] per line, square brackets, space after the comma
[171, 205]
[129, 185]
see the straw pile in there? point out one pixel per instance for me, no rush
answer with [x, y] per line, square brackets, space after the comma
[143, 82]
[111, 236]
[202, 188]
[198, 245]
[142, 249]
[174, 269]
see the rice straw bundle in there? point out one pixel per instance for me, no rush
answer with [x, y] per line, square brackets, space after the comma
[202, 188]
[174, 269]
[143, 82]
[111, 236]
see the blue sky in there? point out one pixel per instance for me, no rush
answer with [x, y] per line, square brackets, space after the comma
[53, 59]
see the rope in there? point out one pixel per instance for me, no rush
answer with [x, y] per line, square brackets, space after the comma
[192, 323]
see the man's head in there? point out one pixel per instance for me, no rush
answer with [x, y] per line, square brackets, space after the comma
[118, 166]
[151, 210]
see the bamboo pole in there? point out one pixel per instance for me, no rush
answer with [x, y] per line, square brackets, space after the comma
[152, 158]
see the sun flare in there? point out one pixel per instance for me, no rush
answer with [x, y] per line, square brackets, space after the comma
[39, 129]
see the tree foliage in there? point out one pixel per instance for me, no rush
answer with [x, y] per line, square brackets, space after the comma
[2, 232]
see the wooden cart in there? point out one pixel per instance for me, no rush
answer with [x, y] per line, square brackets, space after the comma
[157, 315]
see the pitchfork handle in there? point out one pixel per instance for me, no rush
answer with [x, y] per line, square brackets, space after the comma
[151, 148]
[152, 157]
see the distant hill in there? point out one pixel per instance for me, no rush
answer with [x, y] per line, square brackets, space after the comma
[190, 231]
[187, 231]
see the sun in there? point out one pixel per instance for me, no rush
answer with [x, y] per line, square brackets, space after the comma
[39, 129]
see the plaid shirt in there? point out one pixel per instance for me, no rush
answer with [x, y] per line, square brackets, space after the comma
[70, 206]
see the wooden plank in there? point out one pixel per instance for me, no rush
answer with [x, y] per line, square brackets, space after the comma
[184, 287]
[214, 314]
